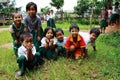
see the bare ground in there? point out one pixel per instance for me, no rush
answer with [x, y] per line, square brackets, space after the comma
[3, 29]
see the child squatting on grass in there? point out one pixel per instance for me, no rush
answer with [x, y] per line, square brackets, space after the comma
[47, 48]
[27, 55]
[33, 24]
[16, 29]
[75, 44]
[90, 38]
[60, 42]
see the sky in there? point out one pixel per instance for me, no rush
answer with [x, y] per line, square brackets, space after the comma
[68, 4]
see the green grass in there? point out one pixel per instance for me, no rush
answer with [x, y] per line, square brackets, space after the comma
[104, 64]
[5, 37]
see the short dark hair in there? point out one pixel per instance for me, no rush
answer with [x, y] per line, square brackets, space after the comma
[117, 3]
[31, 4]
[73, 26]
[25, 34]
[15, 13]
[96, 31]
[46, 30]
[57, 30]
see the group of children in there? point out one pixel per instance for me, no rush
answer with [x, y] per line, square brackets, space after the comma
[31, 44]
[109, 16]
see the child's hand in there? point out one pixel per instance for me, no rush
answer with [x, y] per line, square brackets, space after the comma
[38, 38]
[16, 41]
[47, 41]
[30, 46]
[51, 42]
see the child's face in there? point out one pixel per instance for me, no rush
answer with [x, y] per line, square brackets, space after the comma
[32, 11]
[74, 32]
[49, 34]
[59, 36]
[28, 42]
[93, 37]
[17, 18]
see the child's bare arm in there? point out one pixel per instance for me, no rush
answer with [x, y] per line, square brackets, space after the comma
[38, 37]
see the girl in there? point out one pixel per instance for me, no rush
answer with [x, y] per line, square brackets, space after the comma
[48, 44]
[33, 24]
[75, 44]
[16, 29]
[104, 18]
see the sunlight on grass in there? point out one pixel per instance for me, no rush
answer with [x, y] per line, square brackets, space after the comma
[103, 64]
[5, 37]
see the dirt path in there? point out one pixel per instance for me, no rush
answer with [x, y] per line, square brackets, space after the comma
[3, 29]
[7, 45]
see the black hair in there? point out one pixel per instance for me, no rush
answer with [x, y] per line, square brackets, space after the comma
[117, 3]
[73, 26]
[57, 30]
[46, 30]
[16, 13]
[31, 4]
[25, 34]
[96, 31]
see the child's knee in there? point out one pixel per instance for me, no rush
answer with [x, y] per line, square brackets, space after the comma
[72, 48]
[21, 58]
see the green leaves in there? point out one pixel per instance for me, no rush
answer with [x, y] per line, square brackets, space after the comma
[57, 3]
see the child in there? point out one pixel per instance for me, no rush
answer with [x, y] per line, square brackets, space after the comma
[75, 44]
[60, 42]
[90, 37]
[33, 24]
[48, 44]
[104, 18]
[115, 13]
[51, 19]
[48, 17]
[16, 29]
[27, 55]
[109, 14]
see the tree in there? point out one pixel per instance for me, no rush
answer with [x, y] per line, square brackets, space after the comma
[7, 8]
[82, 6]
[57, 3]
[45, 10]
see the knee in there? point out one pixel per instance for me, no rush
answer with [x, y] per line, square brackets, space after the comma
[37, 54]
[72, 48]
[21, 58]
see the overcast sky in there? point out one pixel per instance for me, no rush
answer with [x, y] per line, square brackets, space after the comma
[68, 4]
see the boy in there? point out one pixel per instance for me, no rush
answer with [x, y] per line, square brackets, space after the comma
[75, 44]
[27, 55]
[90, 37]
[16, 29]
[33, 24]
[60, 42]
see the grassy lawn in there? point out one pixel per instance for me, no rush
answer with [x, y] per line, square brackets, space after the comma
[104, 64]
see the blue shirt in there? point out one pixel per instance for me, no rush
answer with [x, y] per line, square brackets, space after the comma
[32, 23]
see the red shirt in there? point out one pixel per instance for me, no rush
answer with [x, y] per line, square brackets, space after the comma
[78, 44]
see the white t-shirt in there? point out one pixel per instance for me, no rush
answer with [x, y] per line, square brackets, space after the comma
[43, 42]
[115, 10]
[86, 37]
[23, 51]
